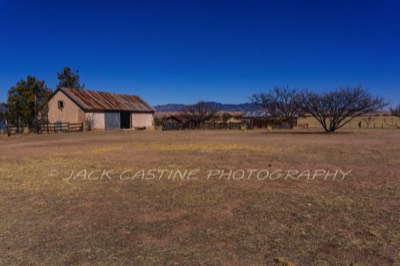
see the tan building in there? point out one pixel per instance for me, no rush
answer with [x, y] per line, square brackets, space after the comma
[102, 110]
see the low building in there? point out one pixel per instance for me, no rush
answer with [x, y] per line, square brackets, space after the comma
[99, 110]
[263, 119]
[176, 122]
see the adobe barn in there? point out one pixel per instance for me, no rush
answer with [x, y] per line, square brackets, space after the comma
[104, 110]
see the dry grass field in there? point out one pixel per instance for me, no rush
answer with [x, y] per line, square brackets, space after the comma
[367, 122]
[124, 198]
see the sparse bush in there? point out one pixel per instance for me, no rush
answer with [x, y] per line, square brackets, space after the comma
[158, 120]
[88, 121]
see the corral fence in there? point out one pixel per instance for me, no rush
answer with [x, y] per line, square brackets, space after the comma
[39, 128]
[207, 125]
[227, 125]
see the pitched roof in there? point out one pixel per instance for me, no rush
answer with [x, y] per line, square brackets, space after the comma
[256, 114]
[180, 118]
[261, 114]
[90, 100]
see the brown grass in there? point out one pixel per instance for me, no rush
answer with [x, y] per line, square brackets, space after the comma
[46, 219]
[378, 122]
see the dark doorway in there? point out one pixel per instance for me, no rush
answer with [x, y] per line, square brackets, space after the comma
[125, 119]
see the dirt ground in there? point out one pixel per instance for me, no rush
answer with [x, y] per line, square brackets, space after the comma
[201, 197]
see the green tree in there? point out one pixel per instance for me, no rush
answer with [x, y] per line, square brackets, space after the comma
[69, 79]
[25, 100]
[3, 108]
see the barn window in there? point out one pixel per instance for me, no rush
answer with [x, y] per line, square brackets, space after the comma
[60, 105]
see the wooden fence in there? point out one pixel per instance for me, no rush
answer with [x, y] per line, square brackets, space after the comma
[40, 128]
[208, 125]
[226, 125]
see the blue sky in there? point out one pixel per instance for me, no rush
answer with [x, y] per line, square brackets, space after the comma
[185, 51]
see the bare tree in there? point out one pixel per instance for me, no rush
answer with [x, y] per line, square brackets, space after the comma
[335, 109]
[89, 122]
[199, 112]
[159, 120]
[279, 102]
[394, 122]
[395, 111]
[226, 116]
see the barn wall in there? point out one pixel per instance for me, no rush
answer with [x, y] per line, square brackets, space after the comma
[142, 120]
[70, 113]
[98, 120]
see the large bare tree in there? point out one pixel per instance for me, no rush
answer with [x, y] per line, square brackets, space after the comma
[200, 112]
[279, 102]
[335, 109]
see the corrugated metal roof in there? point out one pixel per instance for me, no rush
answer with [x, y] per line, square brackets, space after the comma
[262, 114]
[256, 114]
[104, 101]
[180, 118]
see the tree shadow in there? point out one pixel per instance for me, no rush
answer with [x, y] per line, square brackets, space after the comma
[289, 132]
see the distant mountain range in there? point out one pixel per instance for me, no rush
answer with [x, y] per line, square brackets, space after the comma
[241, 107]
